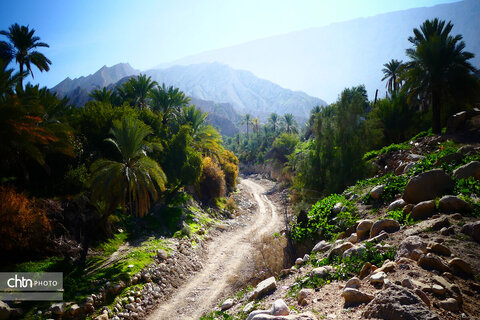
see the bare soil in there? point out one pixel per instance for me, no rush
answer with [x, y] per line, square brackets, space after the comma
[228, 259]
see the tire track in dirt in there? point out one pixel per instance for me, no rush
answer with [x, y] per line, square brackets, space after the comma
[226, 257]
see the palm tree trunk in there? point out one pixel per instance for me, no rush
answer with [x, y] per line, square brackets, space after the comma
[436, 122]
[21, 74]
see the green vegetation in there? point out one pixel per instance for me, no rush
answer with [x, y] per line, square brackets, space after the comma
[322, 222]
[400, 216]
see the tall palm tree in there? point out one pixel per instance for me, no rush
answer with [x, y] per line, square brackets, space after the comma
[290, 123]
[247, 120]
[103, 95]
[137, 90]
[273, 120]
[168, 100]
[136, 178]
[256, 125]
[391, 72]
[22, 46]
[438, 64]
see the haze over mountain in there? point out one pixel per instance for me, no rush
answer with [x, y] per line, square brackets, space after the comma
[323, 61]
[214, 86]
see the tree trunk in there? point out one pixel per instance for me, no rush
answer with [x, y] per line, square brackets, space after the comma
[436, 122]
[21, 75]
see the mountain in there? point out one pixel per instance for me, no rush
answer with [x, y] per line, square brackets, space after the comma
[78, 89]
[323, 61]
[242, 89]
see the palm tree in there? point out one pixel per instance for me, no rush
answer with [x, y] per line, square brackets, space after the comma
[103, 95]
[168, 100]
[438, 64]
[137, 90]
[273, 120]
[136, 178]
[290, 123]
[22, 47]
[256, 126]
[247, 119]
[391, 72]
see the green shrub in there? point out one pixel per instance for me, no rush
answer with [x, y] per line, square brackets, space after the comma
[402, 218]
[394, 185]
[393, 147]
[212, 181]
[321, 220]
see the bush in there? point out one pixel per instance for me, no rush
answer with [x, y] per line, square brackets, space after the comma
[229, 163]
[24, 228]
[212, 181]
[402, 218]
[322, 222]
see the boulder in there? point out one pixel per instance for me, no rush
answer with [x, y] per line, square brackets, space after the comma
[353, 238]
[449, 304]
[473, 230]
[304, 296]
[363, 228]
[397, 205]
[456, 122]
[58, 308]
[412, 247]
[427, 186]
[471, 169]
[398, 303]
[5, 311]
[423, 296]
[388, 266]
[408, 208]
[377, 192]
[340, 248]
[366, 270]
[439, 223]
[458, 265]
[263, 288]
[466, 150]
[299, 262]
[337, 208]
[423, 210]
[431, 262]
[354, 251]
[162, 254]
[279, 308]
[387, 225]
[322, 246]
[354, 296]
[353, 283]
[451, 204]
[227, 304]
[249, 307]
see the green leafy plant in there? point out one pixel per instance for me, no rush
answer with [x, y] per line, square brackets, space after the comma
[402, 218]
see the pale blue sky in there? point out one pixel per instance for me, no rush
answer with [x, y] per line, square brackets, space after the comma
[85, 35]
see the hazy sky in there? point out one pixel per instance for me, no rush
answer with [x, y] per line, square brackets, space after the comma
[85, 35]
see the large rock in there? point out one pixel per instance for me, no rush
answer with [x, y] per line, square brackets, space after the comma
[427, 186]
[227, 304]
[263, 288]
[397, 205]
[473, 230]
[439, 249]
[5, 311]
[322, 272]
[363, 228]
[449, 304]
[471, 169]
[432, 262]
[412, 247]
[449, 158]
[451, 204]
[397, 303]
[354, 296]
[423, 210]
[58, 308]
[456, 122]
[304, 296]
[279, 308]
[353, 283]
[378, 278]
[387, 225]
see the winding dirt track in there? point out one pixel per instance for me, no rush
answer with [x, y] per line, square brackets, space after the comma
[226, 257]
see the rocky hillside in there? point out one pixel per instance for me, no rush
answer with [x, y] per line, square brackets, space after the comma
[401, 245]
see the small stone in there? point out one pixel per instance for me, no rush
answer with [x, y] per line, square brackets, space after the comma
[363, 228]
[355, 296]
[449, 304]
[366, 270]
[304, 296]
[279, 308]
[408, 208]
[440, 223]
[438, 290]
[162, 254]
[58, 308]
[411, 247]
[227, 304]
[423, 210]
[387, 225]
[322, 272]
[407, 283]
[439, 248]
[306, 257]
[337, 208]
[339, 249]
[322, 246]
[397, 205]
[456, 216]
[299, 262]
[353, 238]
[473, 230]
[388, 266]
[353, 283]
[432, 262]
[377, 192]
[423, 297]
[263, 288]
[378, 278]
[248, 307]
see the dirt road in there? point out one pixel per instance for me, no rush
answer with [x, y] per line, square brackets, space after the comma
[226, 257]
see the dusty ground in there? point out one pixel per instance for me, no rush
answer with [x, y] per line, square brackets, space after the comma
[228, 256]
